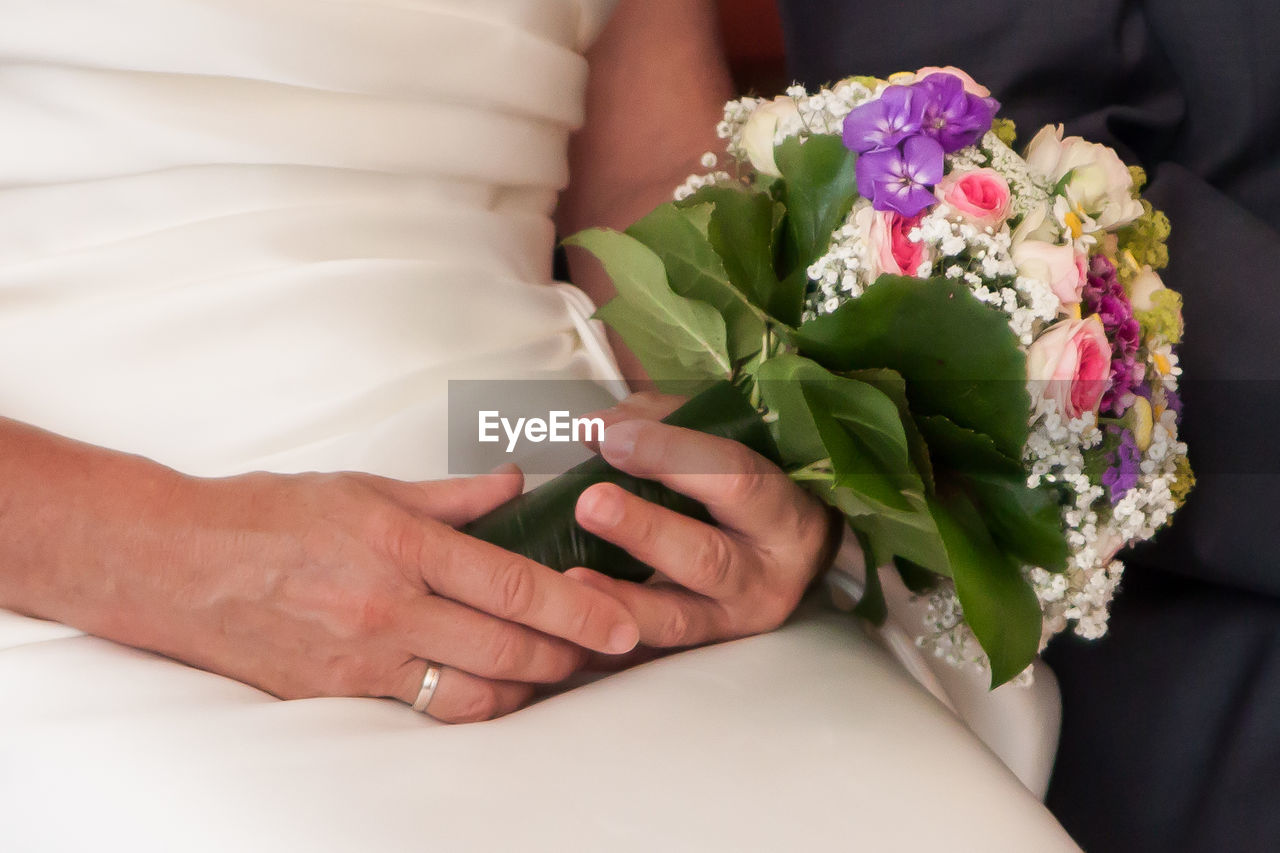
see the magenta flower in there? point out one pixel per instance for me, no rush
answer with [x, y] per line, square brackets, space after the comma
[1104, 296]
[901, 178]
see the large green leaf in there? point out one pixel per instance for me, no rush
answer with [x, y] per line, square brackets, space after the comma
[679, 236]
[679, 340]
[858, 429]
[1027, 522]
[818, 188]
[958, 356]
[998, 603]
[740, 229]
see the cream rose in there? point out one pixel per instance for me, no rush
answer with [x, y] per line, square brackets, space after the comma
[1061, 267]
[973, 87]
[1145, 285]
[761, 130]
[1070, 363]
[1098, 186]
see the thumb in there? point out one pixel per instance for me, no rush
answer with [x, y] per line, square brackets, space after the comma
[456, 502]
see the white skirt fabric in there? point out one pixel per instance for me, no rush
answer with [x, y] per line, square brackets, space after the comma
[264, 234]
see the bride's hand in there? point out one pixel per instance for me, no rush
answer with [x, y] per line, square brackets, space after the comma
[744, 576]
[345, 584]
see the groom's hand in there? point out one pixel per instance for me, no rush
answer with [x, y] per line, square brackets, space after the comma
[744, 575]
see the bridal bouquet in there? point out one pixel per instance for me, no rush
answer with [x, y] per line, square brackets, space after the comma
[965, 349]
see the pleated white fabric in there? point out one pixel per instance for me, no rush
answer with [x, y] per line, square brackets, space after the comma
[263, 234]
[242, 234]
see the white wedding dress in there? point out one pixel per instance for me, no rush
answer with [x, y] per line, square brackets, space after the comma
[263, 234]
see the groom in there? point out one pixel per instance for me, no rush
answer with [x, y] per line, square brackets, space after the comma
[1171, 736]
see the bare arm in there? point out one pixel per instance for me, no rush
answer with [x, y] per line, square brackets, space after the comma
[657, 90]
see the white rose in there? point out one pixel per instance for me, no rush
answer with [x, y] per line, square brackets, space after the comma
[761, 129]
[1098, 184]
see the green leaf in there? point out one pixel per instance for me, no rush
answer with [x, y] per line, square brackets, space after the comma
[740, 229]
[857, 465]
[918, 579]
[818, 190]
[858, 425]
[872, 605]
[1026, 522]
[892, 385]
[857, 428]
[678, 340]
[957, 355]
[694, 270]
[999, 605]
[912, 535]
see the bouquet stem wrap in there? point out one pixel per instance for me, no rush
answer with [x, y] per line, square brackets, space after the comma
[540, 524]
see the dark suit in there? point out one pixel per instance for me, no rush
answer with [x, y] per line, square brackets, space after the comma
[1171, 738]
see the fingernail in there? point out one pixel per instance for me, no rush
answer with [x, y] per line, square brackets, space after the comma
[620, 442]
[603, 506]
[505, 469]
[623, 639]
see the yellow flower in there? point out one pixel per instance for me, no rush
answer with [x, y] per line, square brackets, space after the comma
[1141, 422]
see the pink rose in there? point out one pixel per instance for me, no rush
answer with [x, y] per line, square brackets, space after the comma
[1070, 363]
[971, 86]
[892, 250]
[980, 196]
[1061, 267]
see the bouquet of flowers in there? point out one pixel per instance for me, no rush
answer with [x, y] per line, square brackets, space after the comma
[966, 350]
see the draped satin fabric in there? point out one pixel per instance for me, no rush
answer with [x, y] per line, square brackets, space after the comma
[240, 234]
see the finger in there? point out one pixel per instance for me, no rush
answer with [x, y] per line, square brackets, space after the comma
[461, 697]
[516, 589]
[695, 555]
[645, 406]
[441, 630]
[668, 616]
[458, 501]
[743, 490]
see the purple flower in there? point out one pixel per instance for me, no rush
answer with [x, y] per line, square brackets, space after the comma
[886, 121]
[1104, 296]
[899, 179]
[952, 116]
[1126, 463]
[1173, 401]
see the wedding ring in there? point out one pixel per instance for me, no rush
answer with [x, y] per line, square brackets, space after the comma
[429, 683]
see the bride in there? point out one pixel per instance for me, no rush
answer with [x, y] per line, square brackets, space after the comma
[241, 237]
